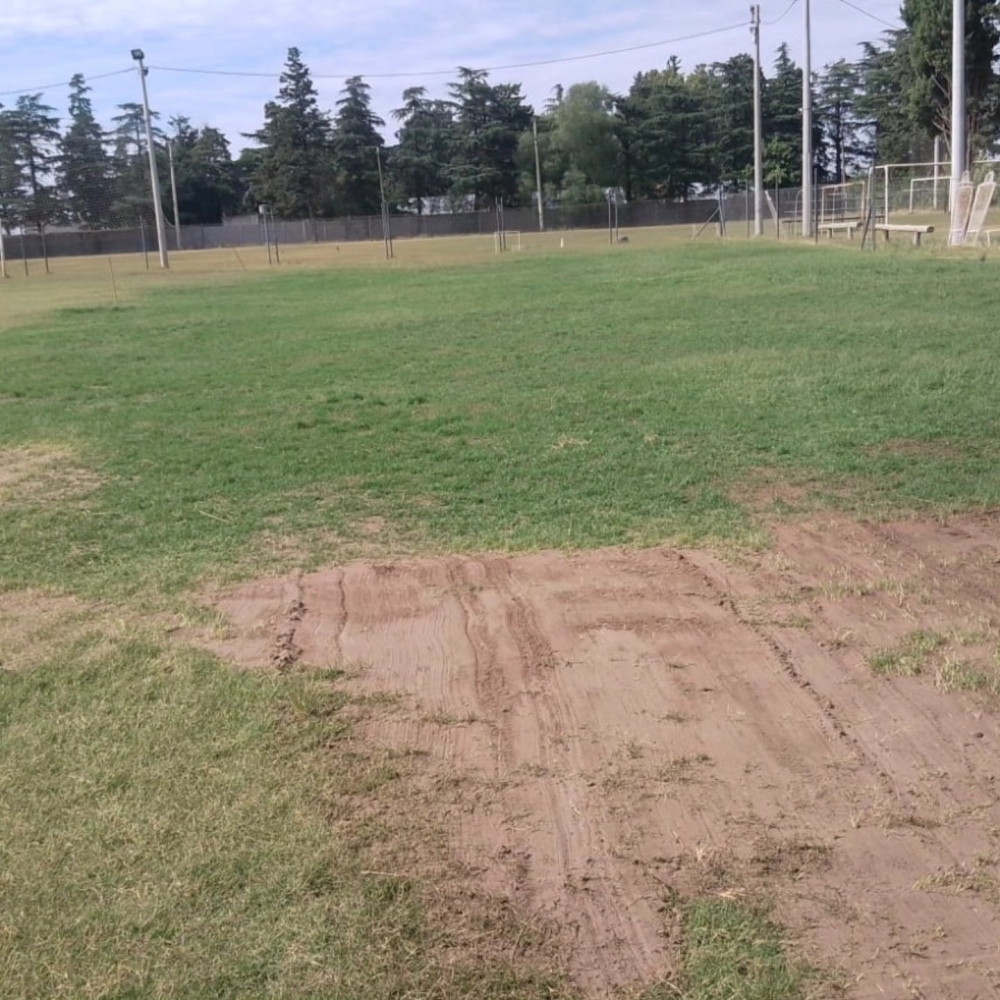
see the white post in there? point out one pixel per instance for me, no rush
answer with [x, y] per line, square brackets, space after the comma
[937, 169]
[758, 166]
[173, 192]
[3, 255]
[885, 218]
[154, 180]
[538, 177]
[959, 156]
[807, 156]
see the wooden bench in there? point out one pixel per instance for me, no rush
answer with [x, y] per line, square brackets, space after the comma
[849, 226]
[915, 231]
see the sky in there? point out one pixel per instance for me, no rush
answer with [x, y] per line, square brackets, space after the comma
[394, 44]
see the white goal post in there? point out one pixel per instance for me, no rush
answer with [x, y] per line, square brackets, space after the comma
[507, 239]
[842, 202]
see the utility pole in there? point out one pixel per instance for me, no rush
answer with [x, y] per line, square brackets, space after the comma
[807, 128]
[173, 192]
[937, 169]
[386, 231]
[758, 165]
[538, 177]
[959, 149]
[154, 181]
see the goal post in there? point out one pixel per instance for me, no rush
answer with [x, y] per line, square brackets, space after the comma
[506, 239]
[842, 202]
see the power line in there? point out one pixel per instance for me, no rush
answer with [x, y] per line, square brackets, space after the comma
[483, 69]
[869, 14]
[778, 20]
[63, 83]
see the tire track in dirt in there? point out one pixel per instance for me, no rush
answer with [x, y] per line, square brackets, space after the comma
[284, 652]
[786, 660]
[599, 729]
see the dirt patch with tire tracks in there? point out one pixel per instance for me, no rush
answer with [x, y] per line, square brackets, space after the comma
[606, 732]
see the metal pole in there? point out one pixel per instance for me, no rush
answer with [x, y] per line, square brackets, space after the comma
[959, 152]
[154, 180]
[758, 161]
[3, 255]
[173, 191]
[611, 232]
[262, 210]
[807, 127]
[386, 235]
[538, 177]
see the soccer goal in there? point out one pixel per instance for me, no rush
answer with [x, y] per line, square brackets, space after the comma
[928, 193]
[506, 239]
[842, 202]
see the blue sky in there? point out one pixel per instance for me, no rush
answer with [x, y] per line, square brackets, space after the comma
[45, 41]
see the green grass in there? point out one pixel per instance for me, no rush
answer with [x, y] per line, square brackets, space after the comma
[909, 658]
[555, 401]
[735, 950]
[173, 828]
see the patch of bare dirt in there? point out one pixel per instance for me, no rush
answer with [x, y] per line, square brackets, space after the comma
[916, 448]
[39, 474]
[605, 732]
[33, 626]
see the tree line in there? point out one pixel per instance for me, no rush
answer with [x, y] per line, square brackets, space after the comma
[671, 135]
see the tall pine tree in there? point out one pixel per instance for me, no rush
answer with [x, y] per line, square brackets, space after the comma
[84, 166]
[294, 170]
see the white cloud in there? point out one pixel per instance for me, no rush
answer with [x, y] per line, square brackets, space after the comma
[43, 42]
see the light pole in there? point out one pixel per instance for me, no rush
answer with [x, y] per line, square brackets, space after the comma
[758, 167]
[959, 154]
[173, 192]
[538, 176]
[154, 181]
[807, 129]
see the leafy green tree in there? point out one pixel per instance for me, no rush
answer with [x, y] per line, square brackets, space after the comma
[84, 168]
[724, 92]
[930, 86]
[659, 128]
[131, 196]
[355, 141]
[294, 171]
[783, 121]
[420, 160]
[584, 132]
[885, 74]
[489, 120]
[34, 133]
[208, 182]
[13, 181]
[837, 98]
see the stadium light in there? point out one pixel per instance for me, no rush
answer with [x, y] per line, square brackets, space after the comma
[959, 153]
[154, 181]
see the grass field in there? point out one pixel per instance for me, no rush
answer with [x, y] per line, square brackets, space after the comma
[172, 827]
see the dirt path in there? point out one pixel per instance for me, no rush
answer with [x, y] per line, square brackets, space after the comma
[622, 727]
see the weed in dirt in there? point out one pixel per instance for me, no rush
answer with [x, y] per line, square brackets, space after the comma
[683, 769]
[960, 675]
[909, 658]
[979, 879]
